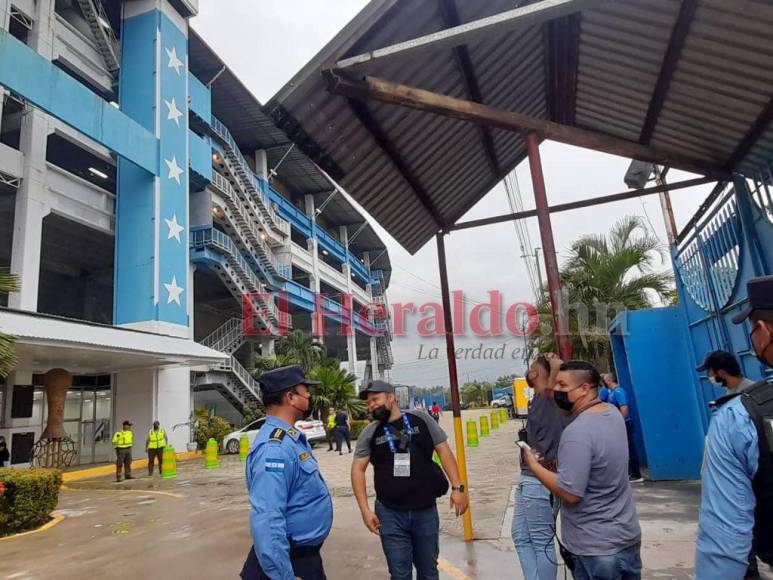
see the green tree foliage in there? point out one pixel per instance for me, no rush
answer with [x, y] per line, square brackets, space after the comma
[8, 283]
[252, 412]
[476, 393]
[210, 426]
[301, 349]
[337, 390]
[603, 276]
[505, 380]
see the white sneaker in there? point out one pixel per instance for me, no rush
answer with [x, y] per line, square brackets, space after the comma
[635, 480]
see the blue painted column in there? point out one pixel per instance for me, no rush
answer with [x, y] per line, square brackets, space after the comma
[152, 280]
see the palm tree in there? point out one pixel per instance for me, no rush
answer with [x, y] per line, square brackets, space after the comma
[302, 349]
[335, 391]
[8, 283]
[605, 275]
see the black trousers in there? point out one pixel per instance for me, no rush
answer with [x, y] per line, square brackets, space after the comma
[306, 561]
[343, 434]
[633, 457]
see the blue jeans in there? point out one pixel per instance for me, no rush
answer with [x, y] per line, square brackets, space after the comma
[625, 565]
[533, 530]
[410, 538]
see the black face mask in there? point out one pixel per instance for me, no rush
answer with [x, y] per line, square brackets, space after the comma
[381, 414]
[307, 413]
[562, 400]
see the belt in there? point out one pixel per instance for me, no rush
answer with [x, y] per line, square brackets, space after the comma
[129, 447]
[304, 551]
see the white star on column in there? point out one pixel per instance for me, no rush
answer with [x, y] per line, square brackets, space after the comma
[174, 291]
[174, 62]
[174, 169]
[174, 228]
[174, 112]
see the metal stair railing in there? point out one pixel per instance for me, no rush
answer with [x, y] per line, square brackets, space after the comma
[243, 171]
[224, 245]
[227, 337]
[246, 228]
[105, 39]
[234, 367]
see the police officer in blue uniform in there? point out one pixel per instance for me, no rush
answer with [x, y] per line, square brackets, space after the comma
[292, 511]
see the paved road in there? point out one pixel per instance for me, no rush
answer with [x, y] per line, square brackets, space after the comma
[195, 526]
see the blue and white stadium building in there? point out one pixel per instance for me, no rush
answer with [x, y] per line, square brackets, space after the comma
[143, 191]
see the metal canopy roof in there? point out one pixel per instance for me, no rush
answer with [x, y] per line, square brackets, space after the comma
[242, 113]
[690, 78]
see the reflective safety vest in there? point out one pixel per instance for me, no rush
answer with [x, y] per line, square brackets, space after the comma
[122, 439]
[331, 422]
[156, 439]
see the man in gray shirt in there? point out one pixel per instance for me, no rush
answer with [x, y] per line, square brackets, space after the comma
[600, 530]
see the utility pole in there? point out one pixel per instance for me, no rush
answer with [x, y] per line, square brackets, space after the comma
[540, 288]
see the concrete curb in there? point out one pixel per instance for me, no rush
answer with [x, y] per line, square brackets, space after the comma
[91, 472]
[56, 518]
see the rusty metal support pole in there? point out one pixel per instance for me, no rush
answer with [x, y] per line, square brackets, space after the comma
[665, 205]
[560, 322]
[456, 407]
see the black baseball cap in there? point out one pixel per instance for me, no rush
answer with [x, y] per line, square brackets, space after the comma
[376, 386]
[759, 292]
[283, 379]
[717, 359]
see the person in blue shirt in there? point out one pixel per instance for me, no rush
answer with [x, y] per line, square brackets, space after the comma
[727, 512]
[291, 508]
[619, 399]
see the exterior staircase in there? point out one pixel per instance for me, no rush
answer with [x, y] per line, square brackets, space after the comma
[105, 39]
[230, 378]
[246, 231]
[237, 165]
[219, 253]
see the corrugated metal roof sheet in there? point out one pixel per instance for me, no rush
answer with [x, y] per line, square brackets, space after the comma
[391, 157]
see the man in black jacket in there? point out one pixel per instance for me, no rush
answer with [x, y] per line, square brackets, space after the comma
[400, 447]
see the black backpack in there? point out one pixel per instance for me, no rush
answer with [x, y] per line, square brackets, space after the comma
[758, 401]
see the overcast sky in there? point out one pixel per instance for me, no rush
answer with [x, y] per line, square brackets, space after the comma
[277, 37]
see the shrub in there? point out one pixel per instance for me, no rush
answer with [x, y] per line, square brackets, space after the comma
[213, 427]
[357, 427]
[29, 498]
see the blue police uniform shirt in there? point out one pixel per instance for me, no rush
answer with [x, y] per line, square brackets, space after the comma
[604, 394]
[289, 499]
[726, 516]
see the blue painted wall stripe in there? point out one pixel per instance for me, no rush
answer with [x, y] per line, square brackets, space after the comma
[32, 77]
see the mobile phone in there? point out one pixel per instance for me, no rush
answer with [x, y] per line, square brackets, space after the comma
[523, 445]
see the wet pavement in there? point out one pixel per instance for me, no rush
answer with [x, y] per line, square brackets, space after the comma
[196, 526]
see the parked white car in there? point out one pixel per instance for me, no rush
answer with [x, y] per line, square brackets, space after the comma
[501, 402]
[313, 430]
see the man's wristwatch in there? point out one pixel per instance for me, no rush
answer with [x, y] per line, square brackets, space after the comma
[460, 488]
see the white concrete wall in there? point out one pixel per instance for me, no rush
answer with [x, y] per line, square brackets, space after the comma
[158, 394]
[133, 398]
[173, 404]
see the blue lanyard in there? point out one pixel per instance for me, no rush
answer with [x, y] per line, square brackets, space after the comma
[391, 440]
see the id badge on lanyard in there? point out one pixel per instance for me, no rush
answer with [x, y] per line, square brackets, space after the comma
[402, 465]
[402, 461]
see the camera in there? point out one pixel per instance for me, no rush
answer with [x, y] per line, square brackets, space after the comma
[523, 435]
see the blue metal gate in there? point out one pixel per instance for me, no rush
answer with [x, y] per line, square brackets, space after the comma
[731, 243]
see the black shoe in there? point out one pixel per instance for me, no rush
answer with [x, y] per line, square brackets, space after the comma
[118, 480]
[130, 477]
